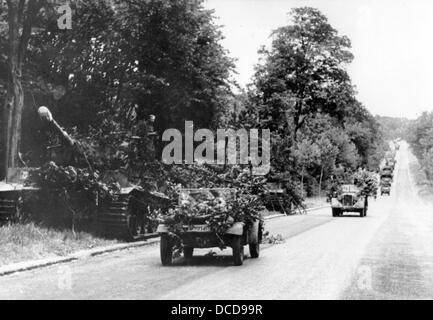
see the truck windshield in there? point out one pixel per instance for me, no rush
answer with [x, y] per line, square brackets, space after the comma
[349, 188]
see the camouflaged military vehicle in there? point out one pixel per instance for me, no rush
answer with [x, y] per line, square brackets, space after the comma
[127, 214]
[198, 233]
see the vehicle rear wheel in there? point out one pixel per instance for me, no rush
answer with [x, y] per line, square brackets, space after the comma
[238, 250]
[254, 250]
[166, 250]
[188, 252]
[362, 213]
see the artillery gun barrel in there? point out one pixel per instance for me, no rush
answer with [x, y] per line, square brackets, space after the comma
[46, 115]
[65, 135]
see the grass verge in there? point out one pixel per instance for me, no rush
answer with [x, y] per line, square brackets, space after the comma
[423, 186]
[23, 242]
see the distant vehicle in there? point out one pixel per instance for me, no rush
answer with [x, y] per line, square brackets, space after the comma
[349, 199]
[387, 171]
[385, 189]
[391, 163]
[198, 233]
[275, 198]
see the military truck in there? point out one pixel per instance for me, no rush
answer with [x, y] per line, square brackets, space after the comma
[349, 198]
[387, 171]
[391, 163]
[385, 188]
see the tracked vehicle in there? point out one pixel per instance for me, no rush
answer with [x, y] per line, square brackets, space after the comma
[13, 192]
[125, 216]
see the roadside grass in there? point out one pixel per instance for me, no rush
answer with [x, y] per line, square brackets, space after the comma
[424, 187]
[23, 242]
[316, 201]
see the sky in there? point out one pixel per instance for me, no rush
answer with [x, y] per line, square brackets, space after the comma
[392, 41]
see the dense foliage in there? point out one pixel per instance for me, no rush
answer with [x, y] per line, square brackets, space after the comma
[420, 137]
[241, 202]
[302, 92]
[121, 62]
[126, 60]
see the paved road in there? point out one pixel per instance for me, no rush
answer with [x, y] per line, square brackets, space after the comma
[387, 255]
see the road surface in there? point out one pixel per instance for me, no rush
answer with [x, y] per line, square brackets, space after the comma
[387, 255]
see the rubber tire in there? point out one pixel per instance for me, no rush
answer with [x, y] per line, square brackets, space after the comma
[188, 252]
[254, 250]
[336, 212]
[166, 250]
[238, 250]
[362, 213]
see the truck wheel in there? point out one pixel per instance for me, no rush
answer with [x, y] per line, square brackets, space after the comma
[188, 252]
[335, 212]
[166, 250]
[238, 250]
[361, 213]
[254, 250]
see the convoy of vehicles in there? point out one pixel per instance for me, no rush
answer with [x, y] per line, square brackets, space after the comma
[387, 173]
[350, 198]
[125, 216]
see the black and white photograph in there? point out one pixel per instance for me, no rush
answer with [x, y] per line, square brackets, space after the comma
[215, 155]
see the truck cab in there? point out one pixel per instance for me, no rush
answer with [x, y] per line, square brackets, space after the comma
[349, 198]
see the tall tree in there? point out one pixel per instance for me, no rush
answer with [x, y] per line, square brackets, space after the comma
[21, 17]
[304, 72]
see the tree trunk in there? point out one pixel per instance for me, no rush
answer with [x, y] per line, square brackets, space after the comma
[13, 109]
[19, 18]
[302, 182]
[320, 181]
[14, 96]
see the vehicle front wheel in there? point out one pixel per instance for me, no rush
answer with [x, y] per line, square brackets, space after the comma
[166, 250]
[238, 250]
[254, 250]
[335, 212]
[188, 252]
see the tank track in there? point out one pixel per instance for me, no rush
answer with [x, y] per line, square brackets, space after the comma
[9, 209]
[120, 218]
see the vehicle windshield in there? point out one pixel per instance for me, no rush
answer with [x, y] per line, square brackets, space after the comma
[192, 196]
[350, 188]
